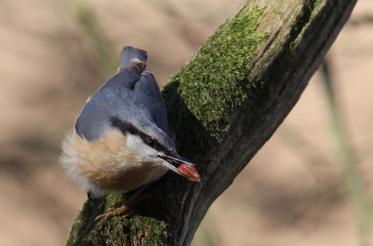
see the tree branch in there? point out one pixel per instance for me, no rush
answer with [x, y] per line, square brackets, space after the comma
[223, 106]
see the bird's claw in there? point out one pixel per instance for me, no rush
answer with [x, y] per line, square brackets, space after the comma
[111, 212]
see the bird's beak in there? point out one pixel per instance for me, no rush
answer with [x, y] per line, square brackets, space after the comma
[185, 168]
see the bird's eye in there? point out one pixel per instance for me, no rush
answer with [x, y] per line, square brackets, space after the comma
[149, 141]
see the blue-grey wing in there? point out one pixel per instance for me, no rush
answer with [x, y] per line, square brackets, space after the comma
[114, 98]
[133, 97]
[148, 93]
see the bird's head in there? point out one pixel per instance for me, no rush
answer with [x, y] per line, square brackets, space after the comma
[122, 158]
[155, 146]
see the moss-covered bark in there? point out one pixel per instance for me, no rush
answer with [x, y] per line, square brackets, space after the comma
[209, 82]
[223, 105]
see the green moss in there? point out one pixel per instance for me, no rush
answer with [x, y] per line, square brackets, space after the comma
[74, 231]
[211, 84]
[113, 200]
[137, 230]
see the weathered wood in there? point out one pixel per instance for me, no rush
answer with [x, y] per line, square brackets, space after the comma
[223, 106]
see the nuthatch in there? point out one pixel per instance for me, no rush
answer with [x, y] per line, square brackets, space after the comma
[120, 140]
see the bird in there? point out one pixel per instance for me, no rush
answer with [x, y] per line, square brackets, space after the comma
[121, 140]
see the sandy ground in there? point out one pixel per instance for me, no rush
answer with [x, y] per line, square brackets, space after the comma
[290, 194]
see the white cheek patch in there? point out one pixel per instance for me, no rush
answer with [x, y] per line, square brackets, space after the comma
[136, 144]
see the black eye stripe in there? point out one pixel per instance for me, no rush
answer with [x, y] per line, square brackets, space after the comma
[126, 127]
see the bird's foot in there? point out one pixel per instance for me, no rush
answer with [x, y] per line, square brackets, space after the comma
[111, 212]
[127, 208]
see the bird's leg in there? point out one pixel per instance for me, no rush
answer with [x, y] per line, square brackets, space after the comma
[126, 208]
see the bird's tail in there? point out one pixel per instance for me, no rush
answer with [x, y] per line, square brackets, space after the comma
[132, 56]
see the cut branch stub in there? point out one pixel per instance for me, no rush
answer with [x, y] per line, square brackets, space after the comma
[223, 106]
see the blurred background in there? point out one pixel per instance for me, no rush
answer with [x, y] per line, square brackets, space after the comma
[311, 184]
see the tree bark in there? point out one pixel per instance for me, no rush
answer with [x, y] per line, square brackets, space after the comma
[223, 106]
